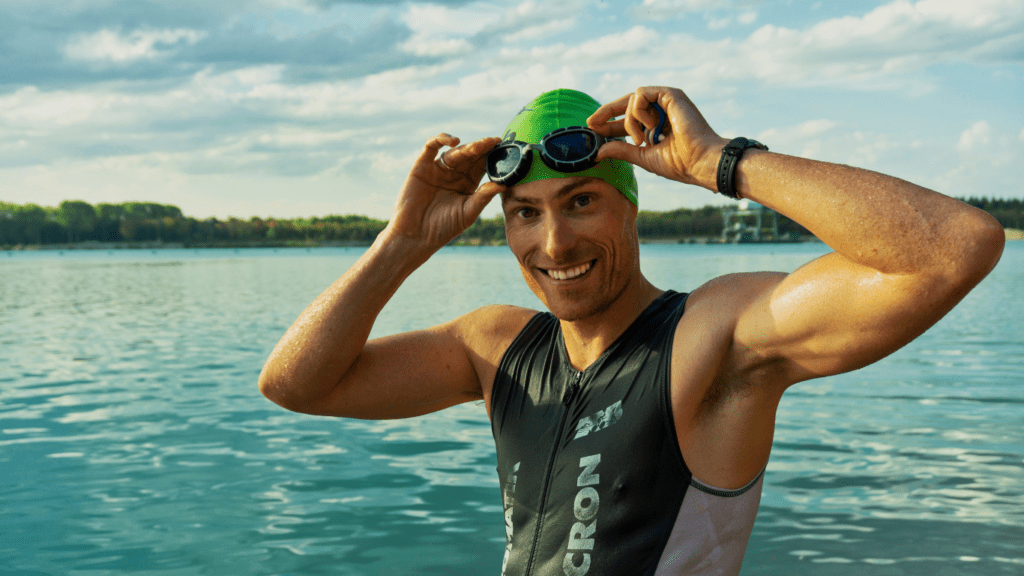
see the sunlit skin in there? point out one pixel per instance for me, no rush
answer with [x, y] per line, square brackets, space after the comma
[577, 246]
[904, 256]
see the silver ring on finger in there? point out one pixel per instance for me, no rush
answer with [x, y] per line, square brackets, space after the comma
[443, 163]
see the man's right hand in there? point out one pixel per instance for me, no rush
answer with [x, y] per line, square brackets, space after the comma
[441, 197]
[324, 363]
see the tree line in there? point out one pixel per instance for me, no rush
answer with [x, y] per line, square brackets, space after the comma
[76, 221]
[147, 222]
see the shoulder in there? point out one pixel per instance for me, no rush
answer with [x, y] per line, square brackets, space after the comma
[488, 331]
[729, 295]
[708, 329]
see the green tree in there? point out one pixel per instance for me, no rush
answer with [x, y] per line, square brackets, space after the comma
[30, 219]
[108, 222]
[9, 233]
[77, 217]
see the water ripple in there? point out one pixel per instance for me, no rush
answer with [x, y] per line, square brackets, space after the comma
[132, 436]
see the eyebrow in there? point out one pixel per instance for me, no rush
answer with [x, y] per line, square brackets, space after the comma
[568, 188]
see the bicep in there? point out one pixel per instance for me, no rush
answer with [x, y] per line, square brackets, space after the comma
[423, 371]
[833, 315]
[405, 375]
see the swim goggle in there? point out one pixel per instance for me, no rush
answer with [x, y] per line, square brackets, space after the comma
[570, 149]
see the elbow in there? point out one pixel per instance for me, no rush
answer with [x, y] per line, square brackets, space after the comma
[275, 388]
[266, 384]
[289, 390]
[979, 245]
[988, 238]
[270, 386]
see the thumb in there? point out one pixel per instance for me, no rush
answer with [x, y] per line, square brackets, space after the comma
[618, 150]
[479, 200]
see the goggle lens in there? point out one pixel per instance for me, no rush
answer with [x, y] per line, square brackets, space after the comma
[503, 160]
[571, 147]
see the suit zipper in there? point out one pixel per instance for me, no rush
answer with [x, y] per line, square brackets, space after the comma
[571, 391]
[567, 398]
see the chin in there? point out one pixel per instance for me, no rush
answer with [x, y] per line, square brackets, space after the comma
[574, 311]
[574, 307]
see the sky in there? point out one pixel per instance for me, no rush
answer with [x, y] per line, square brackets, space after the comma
[298, 108]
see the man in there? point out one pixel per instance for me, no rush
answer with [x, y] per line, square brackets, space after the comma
[632, 424]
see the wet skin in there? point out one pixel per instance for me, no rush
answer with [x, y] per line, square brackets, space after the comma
[577, 246]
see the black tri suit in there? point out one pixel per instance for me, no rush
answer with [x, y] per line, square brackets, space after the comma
[593, 481]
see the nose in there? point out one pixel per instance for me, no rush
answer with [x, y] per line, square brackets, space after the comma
[559, 238]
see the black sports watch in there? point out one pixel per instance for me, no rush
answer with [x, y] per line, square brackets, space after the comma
[731, 155]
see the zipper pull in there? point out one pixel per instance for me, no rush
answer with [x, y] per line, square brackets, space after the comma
[571, 391]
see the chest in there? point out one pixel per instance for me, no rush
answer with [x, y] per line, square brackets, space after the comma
[588, 462]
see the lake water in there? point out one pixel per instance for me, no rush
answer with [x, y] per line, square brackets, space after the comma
[133, 438]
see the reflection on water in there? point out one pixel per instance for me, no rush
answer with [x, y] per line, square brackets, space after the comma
[132, 435]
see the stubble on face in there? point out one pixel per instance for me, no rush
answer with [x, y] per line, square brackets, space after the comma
[607, 241]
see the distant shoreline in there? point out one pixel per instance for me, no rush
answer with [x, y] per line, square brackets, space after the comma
[77, 225]
[96, 245]
[1011, 234]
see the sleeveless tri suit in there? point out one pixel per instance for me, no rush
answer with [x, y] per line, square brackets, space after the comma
[592, 478]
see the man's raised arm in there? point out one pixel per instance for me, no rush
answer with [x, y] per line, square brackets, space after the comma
[904, 255]
[324, 364]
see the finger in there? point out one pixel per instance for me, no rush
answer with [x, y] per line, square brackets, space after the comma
[476, 203]
[613, 109]
[645, 111]
[611, 129]
[469, 162]
[632, 123]
[623, 151]
[470, 152]
[436, 143]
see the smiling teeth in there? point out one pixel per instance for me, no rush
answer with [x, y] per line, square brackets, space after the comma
[570, 273]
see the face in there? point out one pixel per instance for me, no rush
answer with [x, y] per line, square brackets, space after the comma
[576, 242]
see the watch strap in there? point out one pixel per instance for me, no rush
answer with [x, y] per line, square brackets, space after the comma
[731, 155]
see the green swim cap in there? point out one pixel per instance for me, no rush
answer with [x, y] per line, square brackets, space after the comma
[559, 109]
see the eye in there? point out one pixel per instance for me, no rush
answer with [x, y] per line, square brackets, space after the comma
[583, 200]
[524, 212]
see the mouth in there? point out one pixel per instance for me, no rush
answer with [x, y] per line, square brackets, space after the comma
[571, 273]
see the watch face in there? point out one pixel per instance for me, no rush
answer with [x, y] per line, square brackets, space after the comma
[737, 144]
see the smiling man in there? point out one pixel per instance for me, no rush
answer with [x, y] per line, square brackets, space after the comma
[632, 424]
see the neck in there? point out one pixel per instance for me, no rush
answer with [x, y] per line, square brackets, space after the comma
[586, 339]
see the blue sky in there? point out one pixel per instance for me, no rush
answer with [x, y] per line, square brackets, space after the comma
[293, 108]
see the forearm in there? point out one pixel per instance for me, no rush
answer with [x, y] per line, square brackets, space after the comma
[872, 219]
[327, 338]
[875, 220]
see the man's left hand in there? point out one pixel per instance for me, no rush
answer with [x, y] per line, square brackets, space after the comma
[690, 149]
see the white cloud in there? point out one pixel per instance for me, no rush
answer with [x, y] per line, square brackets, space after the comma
[976, 136]
[530, 20]
[719, 23]
[421, 46]
[881, 49]
[804, 139]
[109, 45]
[274, 123]
[667, 8]
[599, 51]
[747, 17]
[29, 107]
[983, 164]
[870, 150]
[442, 31]
[808, 129]
[541, 30]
